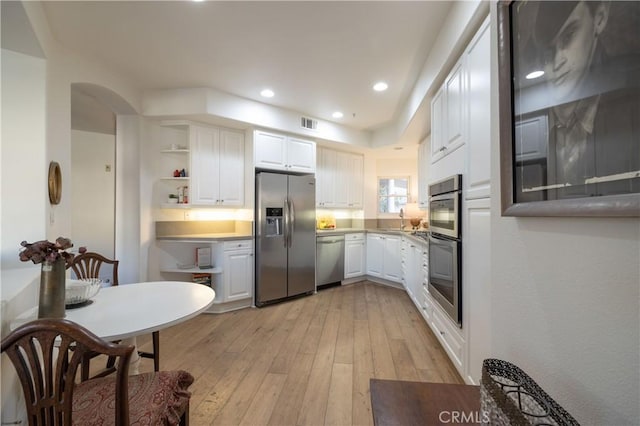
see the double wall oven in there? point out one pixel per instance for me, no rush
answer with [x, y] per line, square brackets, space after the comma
[445, 245]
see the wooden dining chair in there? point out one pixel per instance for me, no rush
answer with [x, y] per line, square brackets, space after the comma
[88, 265]
[46, 354]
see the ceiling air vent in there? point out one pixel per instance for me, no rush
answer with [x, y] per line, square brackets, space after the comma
[308, 123]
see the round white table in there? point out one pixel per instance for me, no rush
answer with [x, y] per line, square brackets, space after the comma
[129, 310]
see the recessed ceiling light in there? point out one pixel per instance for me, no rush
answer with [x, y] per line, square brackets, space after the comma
[267, 93]
[380, 86]
[337, 114]
[534, 74]
[397, 148]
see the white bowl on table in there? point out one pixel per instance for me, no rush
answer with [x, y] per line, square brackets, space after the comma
[82, 290]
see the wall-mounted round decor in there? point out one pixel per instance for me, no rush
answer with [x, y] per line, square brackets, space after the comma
[55, 183]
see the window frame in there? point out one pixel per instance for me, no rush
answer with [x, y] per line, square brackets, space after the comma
[379, 197]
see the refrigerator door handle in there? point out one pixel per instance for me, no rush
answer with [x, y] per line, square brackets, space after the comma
[292, 221]
[286, 223]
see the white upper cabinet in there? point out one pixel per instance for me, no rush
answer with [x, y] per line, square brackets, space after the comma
[455, 93]
[437, 122]
[423, 174]
[205, 158]
[217, 166]
[355, 184]
[325, 177]
[301, 155]
[231, 175]
[339, 179]
[280, 152]
[448, 117]
[478, 62]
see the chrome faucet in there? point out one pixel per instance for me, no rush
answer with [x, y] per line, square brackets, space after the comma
[401, 219]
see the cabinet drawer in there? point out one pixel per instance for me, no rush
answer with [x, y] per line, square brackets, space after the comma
[238, 245]
[450, 338]
[354, 237]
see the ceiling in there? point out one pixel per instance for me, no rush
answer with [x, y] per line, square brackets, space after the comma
[318, 57]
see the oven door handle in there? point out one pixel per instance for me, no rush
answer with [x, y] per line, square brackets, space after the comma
[437, 239]
[447, 196]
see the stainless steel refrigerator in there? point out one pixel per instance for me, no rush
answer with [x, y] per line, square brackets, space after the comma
[285, 236]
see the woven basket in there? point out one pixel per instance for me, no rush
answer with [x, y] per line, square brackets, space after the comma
[508, 396]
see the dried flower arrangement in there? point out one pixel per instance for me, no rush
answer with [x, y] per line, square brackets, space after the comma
[46, 251]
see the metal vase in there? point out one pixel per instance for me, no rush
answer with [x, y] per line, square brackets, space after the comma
[52, 289]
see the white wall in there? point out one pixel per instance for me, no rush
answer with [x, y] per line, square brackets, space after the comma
[383, 162]
[93, 191]
[24, 196]
[24, 166]
[566, 301]
[36, 129]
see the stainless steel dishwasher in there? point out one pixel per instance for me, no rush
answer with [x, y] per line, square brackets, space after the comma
[329, 259]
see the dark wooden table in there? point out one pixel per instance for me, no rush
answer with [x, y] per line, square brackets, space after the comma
[418, 403]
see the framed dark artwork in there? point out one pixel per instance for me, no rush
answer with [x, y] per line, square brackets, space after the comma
[569, 102]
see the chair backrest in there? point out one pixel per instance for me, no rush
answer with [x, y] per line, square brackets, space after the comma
[48, 379]
[88, 264]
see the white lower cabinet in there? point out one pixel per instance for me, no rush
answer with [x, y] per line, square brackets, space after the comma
[354, 255]
[383, 257]
[412, 276]
[450, 336]
[237, 273]
[231, 275]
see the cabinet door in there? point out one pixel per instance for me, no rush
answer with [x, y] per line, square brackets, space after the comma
[237, 274]
[416, 284]
[343, 175]
[478, 62]
[454, 115]
[270, 150]
[423, 174]
[205, 155]
[476, 285]
[437, 126]
[356, 181]
[354, 259]
[391, 259]
[375, 255]
[301, 155]
[325, 177]
[231, 168]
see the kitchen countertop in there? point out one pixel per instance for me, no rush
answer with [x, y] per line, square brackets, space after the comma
[221, 236]
[231, 236]
[342, 231]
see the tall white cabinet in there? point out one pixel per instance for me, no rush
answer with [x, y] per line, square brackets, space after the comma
[461, 143]
[476, 241]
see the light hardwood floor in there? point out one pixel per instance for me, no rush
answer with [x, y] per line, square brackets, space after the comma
[307, 361]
